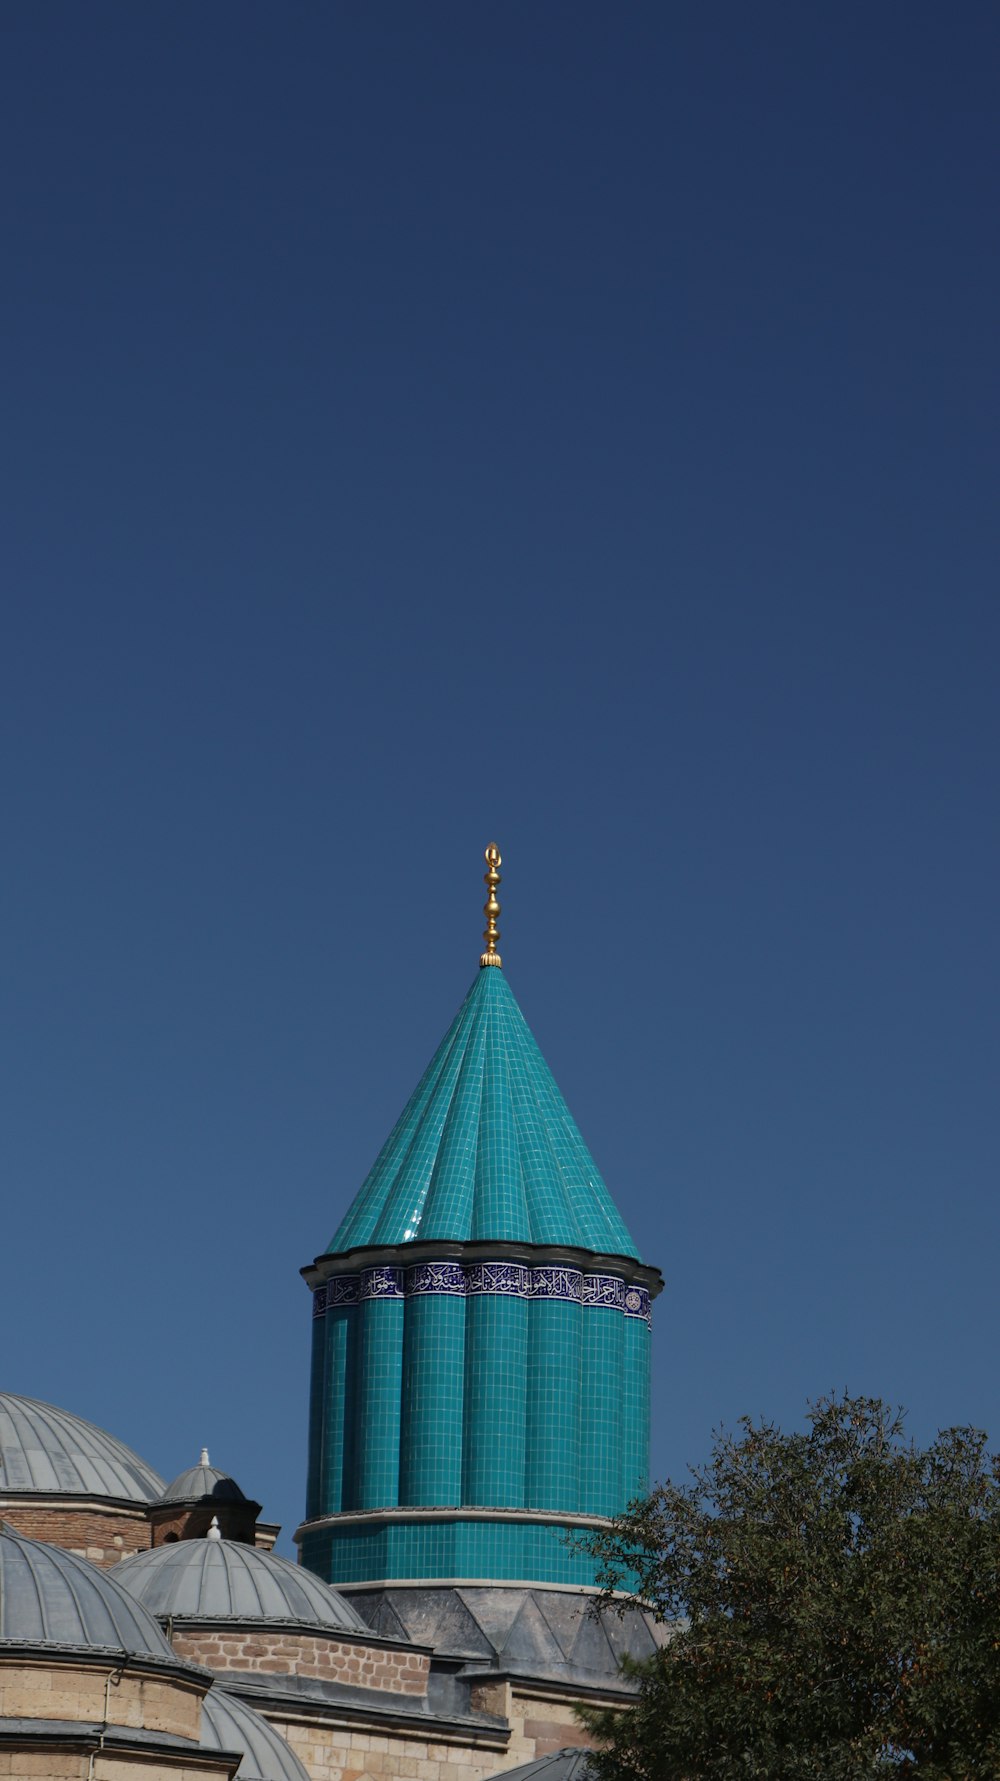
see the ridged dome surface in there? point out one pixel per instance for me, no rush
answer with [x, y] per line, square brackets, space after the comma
[486, 1149]
[52, 1597]
[226, 1580]
[48, 1450]
[570, 1764]
[226, 1724]
[203, 1481]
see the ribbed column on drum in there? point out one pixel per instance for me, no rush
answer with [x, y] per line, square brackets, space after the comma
[317, 1406]
[433, 1385]
[635, 1393]
[495, 1384]
[601, 1392]
[340, 1326]
[379, 1370]
[552, 1457]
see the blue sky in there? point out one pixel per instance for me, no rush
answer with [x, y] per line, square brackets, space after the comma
[569, 425]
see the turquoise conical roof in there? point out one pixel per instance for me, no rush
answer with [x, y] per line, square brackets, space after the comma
[486, 1149]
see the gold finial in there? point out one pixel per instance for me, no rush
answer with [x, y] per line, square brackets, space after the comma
[491, 909]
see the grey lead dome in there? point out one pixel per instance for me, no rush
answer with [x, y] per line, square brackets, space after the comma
[226, 1724]
[203, 1480]
[568, 1764]
[226, 1580]
[44, 1449]
[51, 1597]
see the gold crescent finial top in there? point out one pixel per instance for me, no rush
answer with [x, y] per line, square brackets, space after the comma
[491, 908]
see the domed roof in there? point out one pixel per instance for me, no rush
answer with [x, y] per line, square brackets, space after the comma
[203, 1480]
[49, 1450]
[568, 1764]
[51, 1597]
[486, 1149]
[226, 1724]
[225, 1580]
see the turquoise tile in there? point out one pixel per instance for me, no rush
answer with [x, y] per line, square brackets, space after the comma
[503, 1379]
[494, 1413]
[552, 1441]
[433, 1385]
[473, 1551]
[486, 1147]
[602, 1412]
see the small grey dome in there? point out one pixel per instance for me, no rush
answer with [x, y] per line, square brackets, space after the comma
[203, 1480]
[225, 1580]
[562, 1765]
[48, 1450]
[226, 1724]
[51, 1597]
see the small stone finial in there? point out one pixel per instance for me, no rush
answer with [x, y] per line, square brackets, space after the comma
[204, 1457]
[491, 908]
[214, 1531]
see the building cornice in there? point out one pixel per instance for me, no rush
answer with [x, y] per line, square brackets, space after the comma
[368, 1518]
[143, 1747]
[258, 1623]
[333, 1704]
[34, 1653]
[534, 1688]
[390, 1585]
[67, 1499]
[530, 1255]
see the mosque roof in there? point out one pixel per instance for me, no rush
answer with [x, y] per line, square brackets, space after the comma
[214, 1579]
[203, 1480]
[43, 1449]
[486, 1149]
[569, 1764]
[227, 1724]
[518, 1629]
[52, 1597]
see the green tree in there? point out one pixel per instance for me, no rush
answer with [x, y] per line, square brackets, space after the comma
[831, 1608]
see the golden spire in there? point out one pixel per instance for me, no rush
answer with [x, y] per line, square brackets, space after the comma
[491, 909]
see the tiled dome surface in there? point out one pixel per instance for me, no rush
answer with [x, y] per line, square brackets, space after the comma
[51, 1597]
[226, 1724]
[46, 1449]
[570, 1764]
[517, 1630]
[226, 1580]
[203, 1481]
[486, 1148]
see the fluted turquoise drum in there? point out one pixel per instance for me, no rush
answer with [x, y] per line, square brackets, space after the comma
[552, 1449]
[379, 1398]
[328, 1418]
[430, 1453]
[495, 1390]
[480, 1386]
[315, 1493]
[635, 1394]
[341, 1334]
[601, 1405]
[457, 1550]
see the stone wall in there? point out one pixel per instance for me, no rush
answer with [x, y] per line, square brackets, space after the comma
[539, 1725]
[191, 1521]
[102, 1534]
[339, 1753]
[34, 1688]
[287, 1653]
[105, 1532]
[28, 1763]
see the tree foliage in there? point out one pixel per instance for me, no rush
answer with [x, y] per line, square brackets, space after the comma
[833, 1600]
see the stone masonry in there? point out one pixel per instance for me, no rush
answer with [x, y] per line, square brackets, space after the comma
[276, 1652]
[102, 1533]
